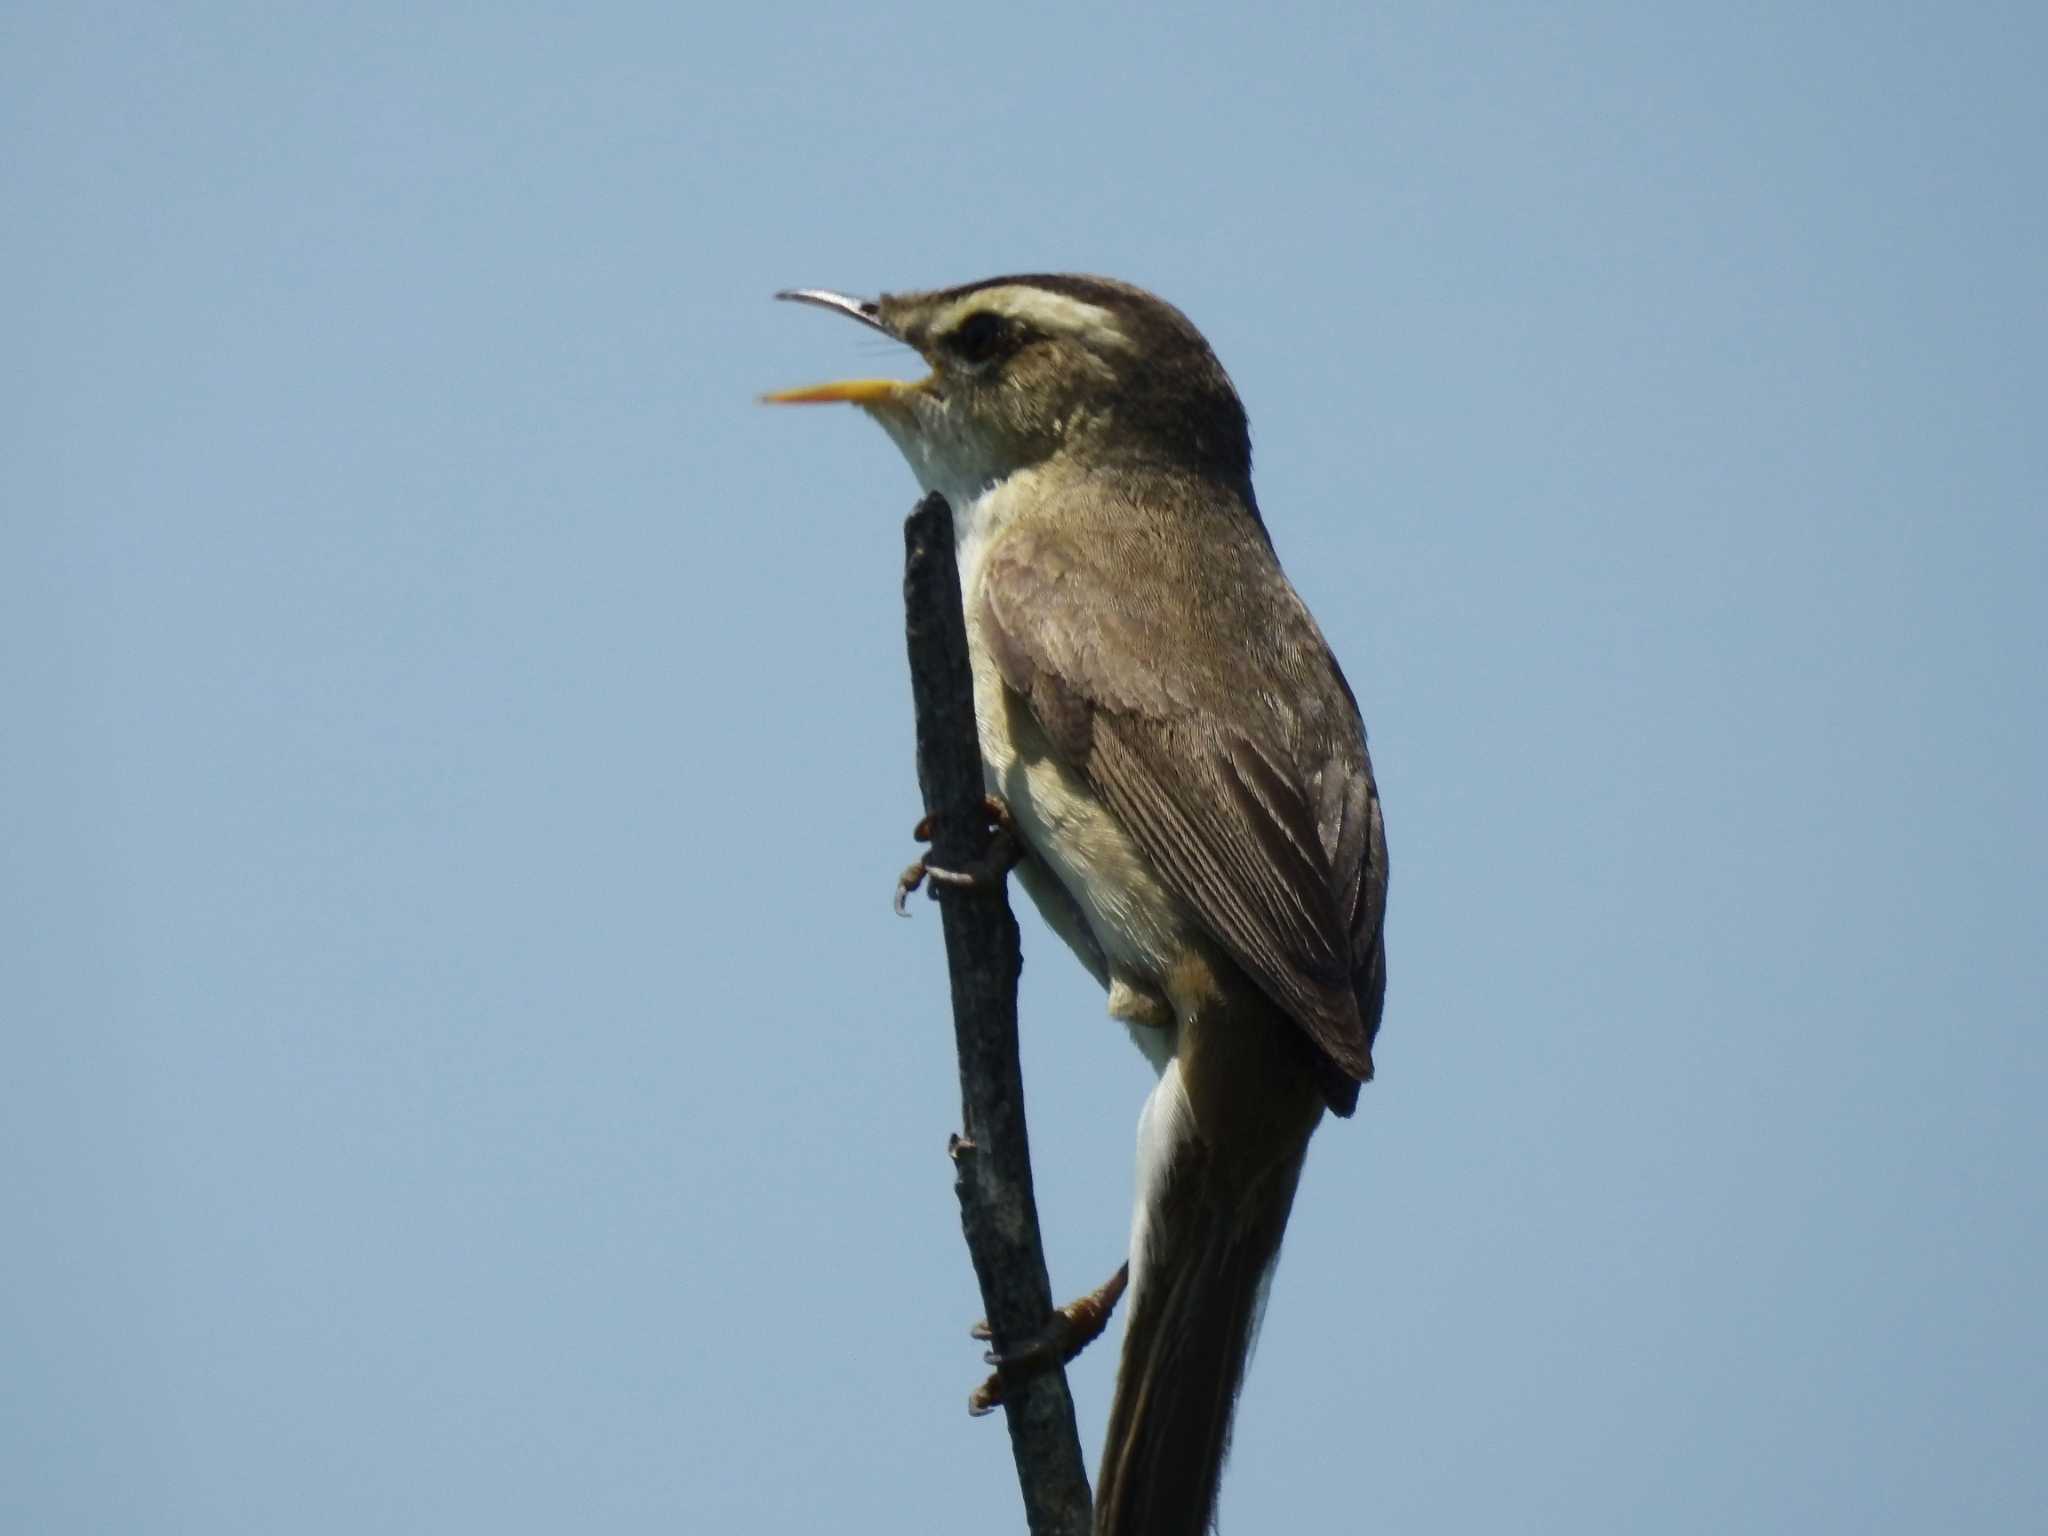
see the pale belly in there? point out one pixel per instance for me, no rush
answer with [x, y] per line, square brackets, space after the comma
[1089, 880]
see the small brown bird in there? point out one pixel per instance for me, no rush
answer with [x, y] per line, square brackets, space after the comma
[1184, 763]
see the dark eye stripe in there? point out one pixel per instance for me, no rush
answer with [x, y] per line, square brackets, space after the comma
[977, 338]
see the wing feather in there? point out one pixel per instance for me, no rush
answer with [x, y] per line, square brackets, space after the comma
[1239, 769]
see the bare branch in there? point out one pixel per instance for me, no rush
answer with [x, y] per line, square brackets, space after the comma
[992, 1159]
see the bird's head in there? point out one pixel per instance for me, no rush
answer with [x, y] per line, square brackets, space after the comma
[1027, 368]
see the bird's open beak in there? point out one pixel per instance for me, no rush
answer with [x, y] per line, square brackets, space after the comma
[846, 391]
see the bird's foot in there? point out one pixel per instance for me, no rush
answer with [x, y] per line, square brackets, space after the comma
[1005, 851]
[1066, 1333]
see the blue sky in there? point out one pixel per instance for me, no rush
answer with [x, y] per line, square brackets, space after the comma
[458, 1068]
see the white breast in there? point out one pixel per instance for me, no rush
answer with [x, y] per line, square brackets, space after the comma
[1135, 923]
[1139, 926]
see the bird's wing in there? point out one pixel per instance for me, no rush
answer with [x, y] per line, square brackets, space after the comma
[1240, 768]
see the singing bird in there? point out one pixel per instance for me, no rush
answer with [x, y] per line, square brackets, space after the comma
[1186, 769]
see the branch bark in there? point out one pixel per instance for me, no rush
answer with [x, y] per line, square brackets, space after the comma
[992, 1158]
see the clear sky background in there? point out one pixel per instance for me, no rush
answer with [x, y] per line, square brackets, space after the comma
[458, 1068]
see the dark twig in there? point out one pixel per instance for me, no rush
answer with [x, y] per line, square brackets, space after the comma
[992, 1159]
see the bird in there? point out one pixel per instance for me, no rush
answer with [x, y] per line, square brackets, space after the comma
[1186, 769]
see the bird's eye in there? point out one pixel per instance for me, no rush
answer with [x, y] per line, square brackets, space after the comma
[977, 338]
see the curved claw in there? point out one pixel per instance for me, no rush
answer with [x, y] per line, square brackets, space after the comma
[1005, 852]
[1066, 1333]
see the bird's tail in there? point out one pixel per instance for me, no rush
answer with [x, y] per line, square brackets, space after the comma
[1203, 1249]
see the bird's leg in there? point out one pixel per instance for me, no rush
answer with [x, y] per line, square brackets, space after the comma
[1005, 852]
[1066, 1333]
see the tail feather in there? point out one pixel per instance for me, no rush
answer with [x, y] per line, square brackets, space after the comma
[1209, 1243]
